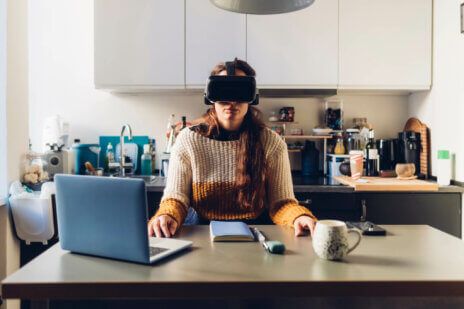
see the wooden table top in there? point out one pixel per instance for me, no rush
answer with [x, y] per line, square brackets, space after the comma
[410, 261]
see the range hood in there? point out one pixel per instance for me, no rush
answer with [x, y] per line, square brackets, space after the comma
[296, 93]
[262, 7]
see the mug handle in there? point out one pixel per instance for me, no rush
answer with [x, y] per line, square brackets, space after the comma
[357, 232]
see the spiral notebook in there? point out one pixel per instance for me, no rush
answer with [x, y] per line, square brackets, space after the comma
[230, 231]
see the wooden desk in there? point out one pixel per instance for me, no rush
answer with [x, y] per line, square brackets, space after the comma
[409, 261]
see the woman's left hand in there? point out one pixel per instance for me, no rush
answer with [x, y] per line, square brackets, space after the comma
[302, 224]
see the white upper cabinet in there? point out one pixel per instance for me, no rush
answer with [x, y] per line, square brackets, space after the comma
[385, 44]
[212, 36]
[295, 50]
[344, 44]
[139, 44]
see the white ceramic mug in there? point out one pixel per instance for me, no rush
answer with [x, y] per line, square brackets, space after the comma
[330, 240]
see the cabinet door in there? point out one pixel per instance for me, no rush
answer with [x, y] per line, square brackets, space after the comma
[139, 43]
[385, 44]
[213, 35]
[295, 50]
[440, 210]
[337, 206]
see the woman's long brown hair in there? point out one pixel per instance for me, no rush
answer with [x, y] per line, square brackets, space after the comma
[251, 166]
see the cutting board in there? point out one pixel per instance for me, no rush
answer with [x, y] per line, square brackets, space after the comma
[415, 125]
[387, 184]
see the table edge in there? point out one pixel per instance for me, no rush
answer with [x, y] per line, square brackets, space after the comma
[213, 289]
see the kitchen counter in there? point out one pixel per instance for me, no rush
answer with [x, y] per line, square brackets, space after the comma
[391, 266]
[307, 184]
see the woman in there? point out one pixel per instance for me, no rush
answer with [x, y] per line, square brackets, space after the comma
[230, 167]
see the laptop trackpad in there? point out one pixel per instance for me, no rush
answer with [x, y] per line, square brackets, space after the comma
[165, 246]
[156, 250]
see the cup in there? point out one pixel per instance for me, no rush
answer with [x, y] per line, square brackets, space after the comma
[330, 240]
[356, 164]
[405, 170]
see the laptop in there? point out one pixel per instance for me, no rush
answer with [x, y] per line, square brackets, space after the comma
[107, 217]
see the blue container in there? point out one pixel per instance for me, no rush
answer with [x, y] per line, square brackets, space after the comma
[310, 160]
[84, 153]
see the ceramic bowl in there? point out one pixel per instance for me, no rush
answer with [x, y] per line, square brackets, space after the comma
[405, 170]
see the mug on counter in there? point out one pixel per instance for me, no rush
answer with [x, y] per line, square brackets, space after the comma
[330, 240]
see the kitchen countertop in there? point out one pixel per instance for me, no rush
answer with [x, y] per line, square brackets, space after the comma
[309, 184]
[395, 265]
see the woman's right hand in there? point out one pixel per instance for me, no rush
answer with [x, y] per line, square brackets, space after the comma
[162, 226]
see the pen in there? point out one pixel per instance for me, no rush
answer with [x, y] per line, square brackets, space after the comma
[272, 246]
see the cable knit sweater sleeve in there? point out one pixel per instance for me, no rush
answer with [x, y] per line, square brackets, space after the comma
[176, 197]
[283, 206]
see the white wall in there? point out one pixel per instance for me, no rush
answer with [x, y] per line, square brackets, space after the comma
[17, 129]
[61, 81]
[442, 108]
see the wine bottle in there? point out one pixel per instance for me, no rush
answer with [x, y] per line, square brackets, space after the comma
[184, 122]
[371, 156]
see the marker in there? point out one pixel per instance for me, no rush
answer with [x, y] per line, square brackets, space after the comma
[273, 246]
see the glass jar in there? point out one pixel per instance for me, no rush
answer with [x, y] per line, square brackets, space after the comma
[353, 140]
[35, 170]
[334, 114]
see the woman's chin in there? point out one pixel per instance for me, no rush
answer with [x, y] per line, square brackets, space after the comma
[230, 116]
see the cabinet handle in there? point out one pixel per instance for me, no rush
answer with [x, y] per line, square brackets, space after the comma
[363, 211]
[306, 202]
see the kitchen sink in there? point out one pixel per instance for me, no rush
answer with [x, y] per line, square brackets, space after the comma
[148, 179]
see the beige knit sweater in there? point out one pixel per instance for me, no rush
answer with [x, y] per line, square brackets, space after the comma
[202, 175]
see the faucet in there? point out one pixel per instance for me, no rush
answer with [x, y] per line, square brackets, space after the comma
[122, 159]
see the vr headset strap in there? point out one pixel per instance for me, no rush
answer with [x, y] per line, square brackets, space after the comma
[230, 68]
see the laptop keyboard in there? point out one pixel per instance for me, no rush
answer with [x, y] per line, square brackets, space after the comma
[156, 250]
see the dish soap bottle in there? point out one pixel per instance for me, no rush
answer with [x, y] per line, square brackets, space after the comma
[110, 153]
[109, 158]
[146, 160]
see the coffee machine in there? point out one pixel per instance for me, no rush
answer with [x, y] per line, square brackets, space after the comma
[409, 148]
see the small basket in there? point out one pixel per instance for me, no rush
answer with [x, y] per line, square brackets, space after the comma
[33, 219]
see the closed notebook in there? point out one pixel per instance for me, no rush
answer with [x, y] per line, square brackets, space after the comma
[230, 231]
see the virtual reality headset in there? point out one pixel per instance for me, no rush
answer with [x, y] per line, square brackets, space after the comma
[231, 88]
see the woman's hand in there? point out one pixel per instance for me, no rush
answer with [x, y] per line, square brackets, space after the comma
[162, 226]
[302, 224]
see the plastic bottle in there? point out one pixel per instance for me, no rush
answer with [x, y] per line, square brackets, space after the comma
[444, 168]
[110, 153]
[171, 131]
[146, 160]
[310, 160]
[339, 147]
[109, 157]
[153, 155]
[72, 150]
